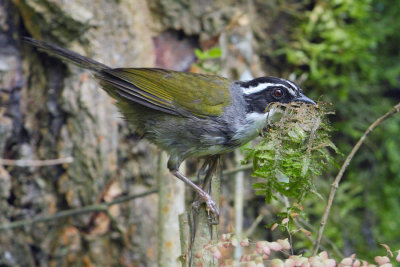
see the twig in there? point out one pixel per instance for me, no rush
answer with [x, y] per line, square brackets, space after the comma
[254, 225]
[90, 208]
[238, 169]
[306, 162]
[346, 163]
[130, 197]
[229, 171]
[302, 223]
[35, 163]
[287, 206]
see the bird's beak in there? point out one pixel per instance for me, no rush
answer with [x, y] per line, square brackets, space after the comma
[303, 98]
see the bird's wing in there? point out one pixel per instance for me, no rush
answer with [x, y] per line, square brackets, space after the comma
[177, 93]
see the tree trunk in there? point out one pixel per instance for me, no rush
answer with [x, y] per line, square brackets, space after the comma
[53, 111]
[50, 110]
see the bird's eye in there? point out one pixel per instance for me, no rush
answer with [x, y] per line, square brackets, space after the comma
[278, 93]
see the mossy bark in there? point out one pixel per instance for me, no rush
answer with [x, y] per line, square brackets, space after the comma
[204, 232]
[51, 110]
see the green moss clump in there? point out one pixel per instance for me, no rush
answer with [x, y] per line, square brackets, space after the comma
[293, 150]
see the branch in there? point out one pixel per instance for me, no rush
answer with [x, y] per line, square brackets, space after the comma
[346, 163]
[237, 169]
[184, 231]
[253, 226]
[171, 203]
[35, 163]
[96, 208]
[205, 231]
[301, 223]
[238, 205]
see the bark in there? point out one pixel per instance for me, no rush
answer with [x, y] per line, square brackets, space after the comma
[171, 203]
[238, 205]
[50, 110]
[205, 233]
[184, 234]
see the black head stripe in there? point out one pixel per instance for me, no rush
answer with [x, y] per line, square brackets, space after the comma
[257, 81]
[264, 83]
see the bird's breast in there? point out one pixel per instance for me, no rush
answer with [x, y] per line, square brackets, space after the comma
[253, 125]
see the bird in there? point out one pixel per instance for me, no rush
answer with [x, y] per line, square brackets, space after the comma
[187, 114]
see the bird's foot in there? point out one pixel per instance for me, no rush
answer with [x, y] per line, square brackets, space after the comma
[203, 198]
[211, 207]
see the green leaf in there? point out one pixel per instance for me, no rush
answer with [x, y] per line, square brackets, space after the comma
[199, 54]
[259, 185]
[214, 52]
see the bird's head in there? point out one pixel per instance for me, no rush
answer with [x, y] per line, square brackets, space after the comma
[261, 92]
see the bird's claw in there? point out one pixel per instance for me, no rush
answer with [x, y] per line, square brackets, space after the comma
[211, 207]
[213, 211]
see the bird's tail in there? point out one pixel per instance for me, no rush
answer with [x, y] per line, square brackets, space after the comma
[67, 55]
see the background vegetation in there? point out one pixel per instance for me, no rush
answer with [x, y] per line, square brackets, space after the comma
[350, 54]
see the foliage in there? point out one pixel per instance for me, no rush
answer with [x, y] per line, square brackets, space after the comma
[348, 52]
[214, 52]
[207, 59]
[293, 151]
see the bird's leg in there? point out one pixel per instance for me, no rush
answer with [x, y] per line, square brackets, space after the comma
[173, 166]
[211, 163]
[203, 170]
[205, 197]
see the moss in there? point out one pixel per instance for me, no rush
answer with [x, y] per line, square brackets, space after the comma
[46, 20]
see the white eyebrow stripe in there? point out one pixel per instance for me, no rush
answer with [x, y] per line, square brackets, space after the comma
[292, 84]
[261, 87]
[292, 92]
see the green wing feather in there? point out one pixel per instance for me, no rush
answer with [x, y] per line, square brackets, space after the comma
[177, 93]
[174, 92]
